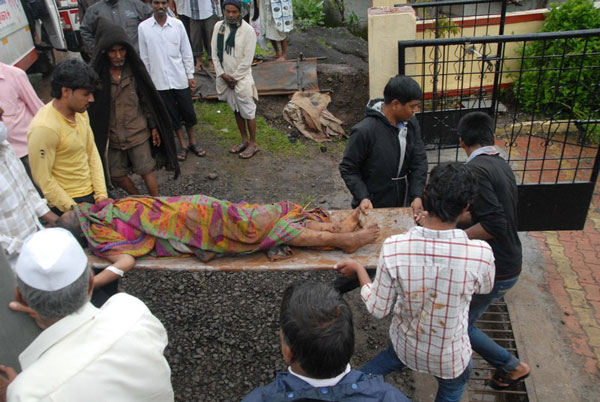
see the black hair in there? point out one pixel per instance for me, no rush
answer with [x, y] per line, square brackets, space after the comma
[450, 189]
[476, 128]
[74, 74]
[316, 323]
[403, 89]
[70, 221]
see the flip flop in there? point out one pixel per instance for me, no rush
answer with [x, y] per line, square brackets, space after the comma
[182, 154]
[500, 380]
[196, 150]
[249, 152]
[236, 149]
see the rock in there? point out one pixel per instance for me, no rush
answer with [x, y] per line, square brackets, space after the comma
[213, 176]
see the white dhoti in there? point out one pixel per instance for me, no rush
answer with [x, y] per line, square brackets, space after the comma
[244, 106]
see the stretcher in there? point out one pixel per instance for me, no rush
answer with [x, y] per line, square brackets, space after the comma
[391, 221]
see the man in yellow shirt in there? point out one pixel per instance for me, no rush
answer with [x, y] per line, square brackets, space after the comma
[64, 159]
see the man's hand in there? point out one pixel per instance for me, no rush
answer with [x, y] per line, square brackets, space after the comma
[348, 268]
[155, 137]
[418, 213]
[50, 218]
[20, 307]
[365, 205]
[231, 82]
[10, 374]
[192, 83]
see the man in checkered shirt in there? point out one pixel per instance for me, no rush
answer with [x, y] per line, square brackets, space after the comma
[428, 276]
[21, 207]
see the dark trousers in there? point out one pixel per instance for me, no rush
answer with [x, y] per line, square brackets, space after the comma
[86, 198]
[180, 106]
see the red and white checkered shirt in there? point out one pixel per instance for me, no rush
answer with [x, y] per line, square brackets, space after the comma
[433, 273]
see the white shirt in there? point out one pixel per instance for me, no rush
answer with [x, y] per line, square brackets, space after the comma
[166, 53]
[95, 355]
[20, 203]
[428, 278]
[324, 382]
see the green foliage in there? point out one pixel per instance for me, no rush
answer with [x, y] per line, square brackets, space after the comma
[352, 19]
[552, 83]
[309, 12]
[445, 27]
[220, 117]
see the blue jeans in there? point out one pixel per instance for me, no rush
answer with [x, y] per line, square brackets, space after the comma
[449, 390]
[493, 353]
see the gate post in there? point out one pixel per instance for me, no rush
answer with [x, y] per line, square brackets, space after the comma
[387, 25]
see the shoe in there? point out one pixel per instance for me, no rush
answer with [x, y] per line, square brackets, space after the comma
[500, 380]
[197, 150]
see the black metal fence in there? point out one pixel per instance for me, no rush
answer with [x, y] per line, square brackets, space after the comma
[543, 90]
[458, 18]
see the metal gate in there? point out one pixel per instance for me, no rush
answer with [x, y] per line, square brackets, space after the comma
[542, 89]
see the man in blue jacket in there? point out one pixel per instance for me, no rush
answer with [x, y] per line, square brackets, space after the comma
[317, 342]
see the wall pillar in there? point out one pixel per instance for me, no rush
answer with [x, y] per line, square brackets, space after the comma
[388, 25]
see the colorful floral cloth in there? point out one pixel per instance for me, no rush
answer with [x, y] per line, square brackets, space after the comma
[141, 226]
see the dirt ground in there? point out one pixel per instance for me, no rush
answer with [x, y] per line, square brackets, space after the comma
[222, 327]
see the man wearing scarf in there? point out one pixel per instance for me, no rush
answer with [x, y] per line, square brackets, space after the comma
[233, 46]
[131, 126]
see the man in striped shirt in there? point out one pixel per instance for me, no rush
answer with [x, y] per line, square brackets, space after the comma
[428, 276]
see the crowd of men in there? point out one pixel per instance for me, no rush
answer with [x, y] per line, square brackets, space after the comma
[90, 345]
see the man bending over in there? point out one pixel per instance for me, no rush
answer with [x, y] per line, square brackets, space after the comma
[428, 276]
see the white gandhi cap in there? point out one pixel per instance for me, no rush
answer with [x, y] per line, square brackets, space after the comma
[50, 260]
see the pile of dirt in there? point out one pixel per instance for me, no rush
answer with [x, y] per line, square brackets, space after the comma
[343, 73]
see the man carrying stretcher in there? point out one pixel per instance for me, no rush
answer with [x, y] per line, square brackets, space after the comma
[206, 227]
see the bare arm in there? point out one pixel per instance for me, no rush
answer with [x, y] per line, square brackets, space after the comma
[124, 262]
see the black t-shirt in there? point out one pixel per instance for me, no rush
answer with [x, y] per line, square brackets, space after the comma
[495, 208]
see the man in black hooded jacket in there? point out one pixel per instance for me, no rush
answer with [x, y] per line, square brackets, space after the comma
[130, 122]
[385, 164]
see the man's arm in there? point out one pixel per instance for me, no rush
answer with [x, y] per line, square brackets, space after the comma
[42, 153]
[96, 169]
[122, 262]
[27, 93]
[215, 55]
[417, 165]
[487, 211]
[249, 47]
[143, 47]
[357, 151]
[378, 296]
[186, 53]
[88, 29]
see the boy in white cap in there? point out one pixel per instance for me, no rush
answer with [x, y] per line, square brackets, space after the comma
[84, 353]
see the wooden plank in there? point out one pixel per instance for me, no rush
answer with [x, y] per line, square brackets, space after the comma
[390, 220]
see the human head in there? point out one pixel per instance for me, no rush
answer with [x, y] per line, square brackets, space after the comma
[53, 274]
[316, 329]
[160, 8]
[476, 128]
[450, 190]
[403, 95]
[70, 222]
[73, 81]
[232, 10]
[116, 55]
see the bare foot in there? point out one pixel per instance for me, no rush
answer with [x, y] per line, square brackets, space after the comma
[350, 223]
[203, 255]
[360, 238]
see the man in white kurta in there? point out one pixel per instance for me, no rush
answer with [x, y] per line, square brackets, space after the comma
[232, 57]
[114, 353]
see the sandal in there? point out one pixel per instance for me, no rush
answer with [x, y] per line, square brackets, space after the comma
[196, 150]
[500, 380]
[236, 149]
[249, 152]
[182, 154]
